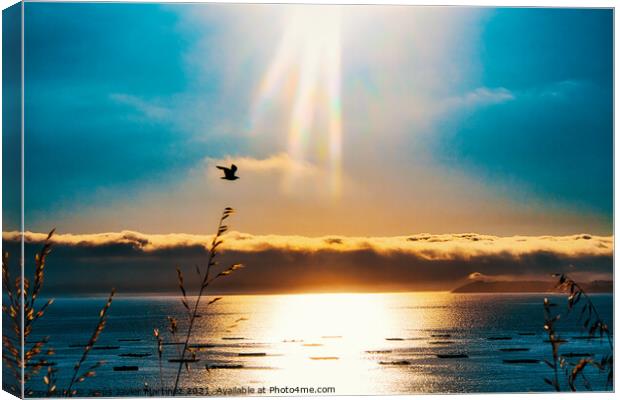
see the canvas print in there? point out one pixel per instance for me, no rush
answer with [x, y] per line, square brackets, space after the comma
[299, 200]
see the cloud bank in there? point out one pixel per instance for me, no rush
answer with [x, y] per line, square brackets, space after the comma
[137, 262]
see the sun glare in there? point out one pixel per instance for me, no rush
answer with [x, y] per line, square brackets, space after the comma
[307, 67]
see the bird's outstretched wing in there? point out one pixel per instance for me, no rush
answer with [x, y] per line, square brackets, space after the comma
[222, 168]
[233, 168]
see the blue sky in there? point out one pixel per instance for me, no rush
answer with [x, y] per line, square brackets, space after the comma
[494, 121]
[556, 137]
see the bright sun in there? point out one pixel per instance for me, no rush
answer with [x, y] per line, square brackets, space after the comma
[307, 64]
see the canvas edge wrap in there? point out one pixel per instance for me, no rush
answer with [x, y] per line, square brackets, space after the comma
[12, 174]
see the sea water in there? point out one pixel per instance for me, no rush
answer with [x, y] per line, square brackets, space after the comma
[342, 344]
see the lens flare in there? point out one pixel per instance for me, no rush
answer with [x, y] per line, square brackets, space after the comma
[306, 70]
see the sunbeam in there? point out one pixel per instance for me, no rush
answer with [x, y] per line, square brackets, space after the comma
[307, 65]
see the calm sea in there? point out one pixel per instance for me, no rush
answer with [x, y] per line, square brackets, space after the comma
[353, 343]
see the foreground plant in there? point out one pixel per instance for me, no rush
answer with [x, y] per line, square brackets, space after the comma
[36, 356]
[19, 293]
[590, 320]
[206, 277]
[160, 350]
[555, 341]
[90, 371]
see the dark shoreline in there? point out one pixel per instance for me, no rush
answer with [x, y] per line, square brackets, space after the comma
[523, 287]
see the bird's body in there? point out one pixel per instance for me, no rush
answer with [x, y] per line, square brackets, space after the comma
[229, 173]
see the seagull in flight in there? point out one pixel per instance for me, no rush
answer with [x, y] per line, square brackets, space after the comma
[229, 173]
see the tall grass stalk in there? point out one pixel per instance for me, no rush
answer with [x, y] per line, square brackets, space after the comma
[590, 320]
[160, 350]
[22, 297]
[206, 280]
[75, 379]
[36, 357]
[555, 342]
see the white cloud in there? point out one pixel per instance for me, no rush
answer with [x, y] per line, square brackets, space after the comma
[481, 96]
[149, 109]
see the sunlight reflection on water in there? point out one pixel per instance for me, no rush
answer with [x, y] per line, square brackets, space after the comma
[357, 343]
[320, 339]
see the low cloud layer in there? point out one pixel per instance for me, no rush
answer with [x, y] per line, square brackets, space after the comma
[136, 262]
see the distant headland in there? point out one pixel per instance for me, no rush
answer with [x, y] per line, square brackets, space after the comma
[528, 287]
